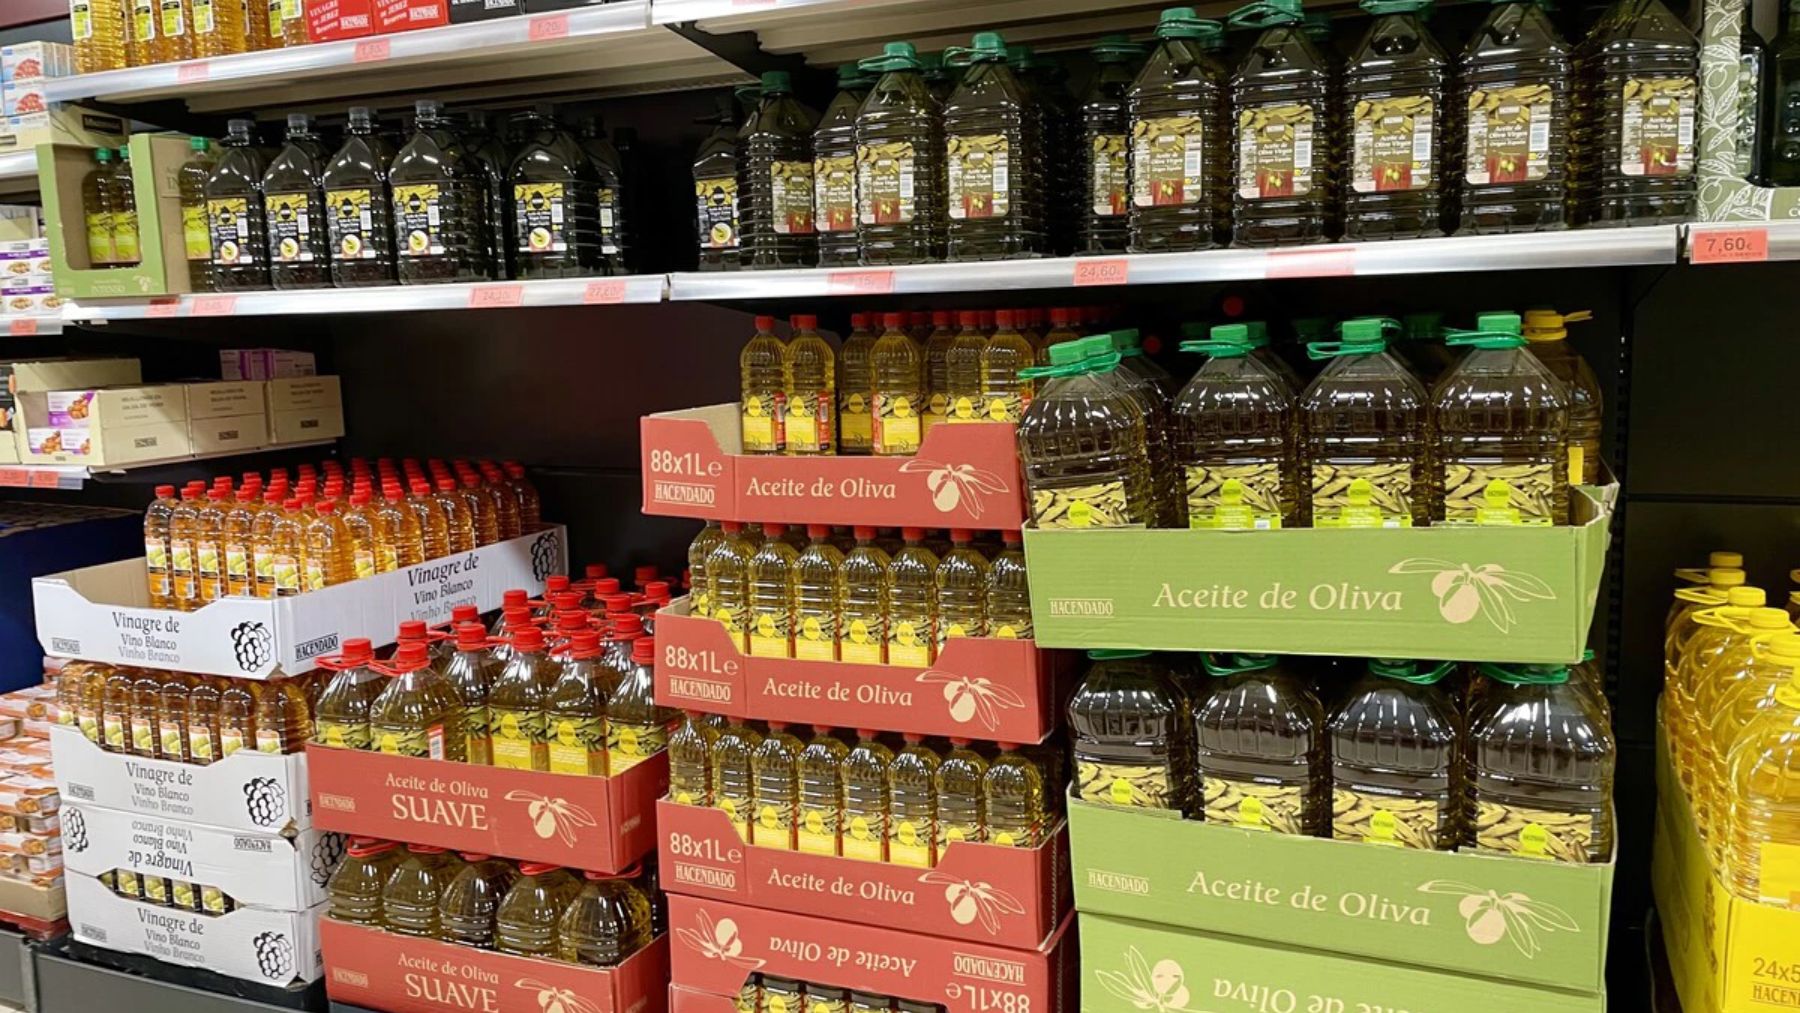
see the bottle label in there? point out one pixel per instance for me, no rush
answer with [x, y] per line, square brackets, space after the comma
[287, 574]
[864, 838]
[818, 830]
[538, 211]
[290, 228]
[791, 193]
[519, 739]
[170, 745]
[174, 22]
[128, 884]
[181, 568]
[1656, 129]
[143, 20]
[807, 428]
[816, 637]
[716, 202]
[1099, 505]
[732, 620]
[237, 570]
[909, 645]
[1017, 837]
[315, 574]
[1500, 494]
[274, 9]
[230, 218]
[910, 843]
[1533, 833]
[196, 237]
[200, 745]
[863, 639]
[952, 629]
[1168, 161]
[1007, 407]
[1386, 819]
[423, 743]
[1135, 786]
[578, 746]
[834, 193]
[343, 735]
[956, 831]
[762, 414]
[1234, 497]
[478, 728]
[856, 427]
[769, 634]
[90, 726]
[1275, 151]
[156, 888]
[390, 559]
[1110, 175]
[230, 741]
[268, 740]
[263, 563]
[209, 560]
[182, 894]
[100, 238]
[884, 183]
[290, 9]
[737, 809]
[774, 826]
[980, 176]
[351, 221]
[628, 745]
[363, 562]
[212, 899]
[896, 427]
[609, 222]
[205, 22]
[125, 236]
[1251, 805]
[1749, 102]
[1509, 134]
[81, 20]
[416, 219]
[1391, 144]
[1362, 495]
[156, 556]
[143, 736]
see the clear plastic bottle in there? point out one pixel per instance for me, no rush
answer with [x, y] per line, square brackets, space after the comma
[1008, 593]
[995, 200]
[818, 830]
[699, 590]
[962, 589]
[1501, 419]
[1285, 132]
[433, 522]
[1681, 627]
[863, 597]
[191, 180]
[552, 228]
[1106, 147]
[156, 547]
[1734, 688]
[856, 388]
[1396, 112]
[762, 395]
[525, 923]
[126, 235]
[1261, 743]
[897, 368]
[329, 559]
[209, 546]
[294, 196]
[810, 424]
[718, 205]
[1541, 761]
[283, 722]
[775, 782]
[418, 713]
[863, 814]
[1514, 83]
[911, 595]
[459, 520]
[236, 213]
[817, 597]
[398, 530]
[834, 170]
[1005, 390]
[637, 728]
[1180, 140]
[1637, 100]
[218, 27]
[356, 884]
[471, 671]
[1396, 758]
[184, 537]
[1130, 724]
[1754, 794]
[962, 801]
[912, 804]
[617, 237]
[341, 719]
[359, 207]
[775, 179]
[1083, 442]
[960, 392]
[143, 711]
[733, 781]
[691, 760]
[441, 205]
[1729, 639]
[100, 30]
[771, 623]
[728, 582]
[1017, 806]
[575, 710]
[470, 900]
[1547, 333]
[287, 558]
[1236, 433]
[606, 922]
[97, 211]
[414, 887]
[516, 703]
[900, 185]
[1365, 433]
[238, 543]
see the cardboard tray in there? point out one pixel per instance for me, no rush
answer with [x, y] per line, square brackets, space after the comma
[247, 792]
[268, 947]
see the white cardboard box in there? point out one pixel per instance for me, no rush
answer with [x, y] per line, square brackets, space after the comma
[227, 416]
[303, 409]
[270, 947]
[103, 613]
[260, 870]
[257, 793]
[265, 364]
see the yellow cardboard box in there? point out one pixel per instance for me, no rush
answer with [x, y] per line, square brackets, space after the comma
[303, 409]
[106, 426]
[227, 416]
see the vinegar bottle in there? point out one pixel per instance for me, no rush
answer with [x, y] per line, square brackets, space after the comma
[526, 494]
[218, 27]
[526, 920]
[1260, 738]
[146, 45]
[856, 388]
[771, 623]
[239, 542]
[863, 815]
[282, 722]
[115, 715]
[458, 518]
[912, 804]
[399, 530]
[145, 710]
[691, 761]
[912, 603]
[775, 773]
[262, 540]
[897, 367]
[184, 536]
[821, 787]
[763, 394]
[366, 551]
[156, 547]
[341, 719]
[1396, 759]
[1130, 724]
[961, 796]
[433, 521]
[288, 552]
[328, 549]
[810, 425]
[171, 717]
[733, 780]
[484, 504]
[209, 546]
[205, 742]
[287, 23]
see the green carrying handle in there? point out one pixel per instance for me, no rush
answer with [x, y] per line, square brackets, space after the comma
[1266, 14]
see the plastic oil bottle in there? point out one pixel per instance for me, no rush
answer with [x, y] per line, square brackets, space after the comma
[1396, 758]
[775, 782]
[1637, 92]
[1515, 88]
[237, 214]
[691, 760]
[1281, 99]
[196, 236]
[328, 560]
[911, 592]
[418, 713]
[1727, 641]
[962, 589]
[1106, 146]
[1547, 332]
[205, 740]
[834, 170]
[1738, 685]
[900, 186]
[937, 367]
[115, 714]
[127, 240]
[810, 425]
[469, 902]
[816, 602]
[912, 804]
[459, 520]
[995, 200]
[357, 883]
[1396, 113]
[897, 371]
[184, 536]
[262, 539]
[341, 719]
[1758, 793]
[433, 521]
[145, 45]
[1005, 388]
[820, 793]
[717, 204]
[218, 27]
[960, 392]
[606, 922]
[409, 898]
[962, 801]
[1261, 745]
[1180, 140]
[516, 704]
[575, 710]
[863, 815]
[299, 238]
[1084, 444]
[239, 542]
[1541, 759]
[97, 210]
[771, 623]
[699, 593]
[856, 388]
[1130, 723]
[1235, 432]
[525, 923]
[775, 179]
[1501, 419]
[636, 728]
[100, 30]
[733, 779]
[156, 547]
[471, 671]
[283, 723]
[763, 392]
[1017, 806]
[616, 235]
[1680, 626]
[1365, 428]
[440, 200]
[1008, 602]
[209, 546]
[554, 191]
[359, 208]
[728, 582]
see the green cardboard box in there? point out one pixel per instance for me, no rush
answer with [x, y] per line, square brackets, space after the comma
[1524, 921]
[1131, 967]
[155, 161]
[1512, 594]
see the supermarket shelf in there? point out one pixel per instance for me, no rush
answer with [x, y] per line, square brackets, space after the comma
[15, 955]
[20, 327]
[1742, 242]
[67, 984]
[643, 288]
[1574, 249]
[18, 173]
[73, 476]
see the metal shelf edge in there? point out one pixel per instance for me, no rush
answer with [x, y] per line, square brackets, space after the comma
[639, 288]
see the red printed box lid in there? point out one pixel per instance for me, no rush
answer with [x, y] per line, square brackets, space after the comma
[978, 688]
[599, 823]
[984, 893]
[964, 476]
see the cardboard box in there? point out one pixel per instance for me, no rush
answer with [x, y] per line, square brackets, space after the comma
[105, 426]
[964, 475]
[34, 901]
[256, 944]
[1509, 594]
[265, 364]
[373, 969]
[155, 163]
[305, 409]
[1531, 922]
[62, 124]
[600, 823]
[464, 11]
[247, 792]
[259, 870]
[1129, 967]
[406, 15]
[333, 20]
[68, 374]
[35, 61]
[103, 613]
[984, 893]
[227, 416]
[23, 98]
[982, 688]
[1722, 195]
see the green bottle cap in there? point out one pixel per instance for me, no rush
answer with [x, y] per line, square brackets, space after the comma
[103, 155]
[987, 47]
[1420, 673]
[124, 153]
[1236, 333]
[1116, 49]
[894, 56]
[1362, 336]
[1379, 7]
[777, 82]
[1266, 14]
[1128, 342]
[1220, 665]
[1525, 675]
[1019, 57]
[849, 76]
[1508, 323]
[197, 143]
[1216, 346]
[1492, 331]
[1183, 23]
[1363, 329]
[1065, 353]
[1115, 655]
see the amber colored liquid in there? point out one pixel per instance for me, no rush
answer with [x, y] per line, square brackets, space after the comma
[900, 111]
[1517, 48]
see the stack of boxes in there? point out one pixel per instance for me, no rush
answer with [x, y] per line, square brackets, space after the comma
[24, 69]
[27, 118]
[31, 845]
[27, 288]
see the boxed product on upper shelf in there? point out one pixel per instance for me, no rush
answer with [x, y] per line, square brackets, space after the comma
[132, 246]
[1747, 172]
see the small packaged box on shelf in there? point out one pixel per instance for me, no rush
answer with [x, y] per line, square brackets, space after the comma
[265, 364]
[305, 409]
[464, 11]
[227, 416]
[335, 20]
[80, 128]
[406, 15]
[23, 98]
[163, 267]
[106, 426]
[35, 61]
[30, 796]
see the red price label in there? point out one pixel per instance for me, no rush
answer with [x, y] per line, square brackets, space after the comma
[372, 51]
[163, 308]
[15, 477]
[22, 326]
[1102, 272]
[1309, 264]
[489, 297]
[1728, 246]
[191, 71]
[543, 29]
[859, 283]
[43, 480]
[603, 293]
[214, 305]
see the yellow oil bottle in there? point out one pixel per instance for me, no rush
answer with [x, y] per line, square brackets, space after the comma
[434, 524]
[1682, 626]
[937, 377]
[184, 575]
[218, 27]
[525, 922]
[817, 829]
[728, 582]
[576, 709]
[409, 898]
[691, 760]
[810, 427]
[204, 743]
[897, 368]
[341, 718]
[1008, 594]
[209, 546]
[733, 781]
[699, 593]
[418, 713]
[93, 704]
[856, 388]
[459, 520]
[97, 211]
[1005, 393]
[239, 542]
[516, 703]
[144, 712]
[471, 899]
[484, 504]
[365, 544]
[287, 23]
[1721, 630]
[962, 589]
[287, 560]
[156, 547]
[145, 45]
[356, 884]
[961, 392]
[282, 722]
[816, 602]
[100, 29]
[772, 574]
[398, 531]
[606, 922]
[775, 779]
[912, 603]
[863, 816]
[636, 728]
[1017, 805]
[961, 796]
[471, 671]
[912, 804]
[1756, 685]
[329, 551]
[863, 597]
[763, 394]
[1735, 665]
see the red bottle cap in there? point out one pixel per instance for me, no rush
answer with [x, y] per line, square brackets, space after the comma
[961, 536]
[1013, 537]
[527, 638]
[595, 571]
[968, 319]
[367, 847]
[585, 644]
[514, 596]
[626, 625]
[765, 325]
[465, 614]
[604, 586]
[640, 574]
[960, 742]
[643, 650]
[470, 637]
[774, 529]
[942, 318]
[164, 491]
[912, 738]
[536, 868]
[731, 527]
[859, 321]
[656, 589]
[556, 582]
[866, 733]
[805, 322]
[1006, 319]
[864, 532]
[893, 321]
[818, 531]
[912, 534]
[615, 602]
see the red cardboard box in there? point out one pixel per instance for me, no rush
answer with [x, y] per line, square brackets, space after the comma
[406, 15]
[599, 823]
[332, 20]
[373, 969]
[979, 687]
[715, 946]
[983, 893]
[964, 476]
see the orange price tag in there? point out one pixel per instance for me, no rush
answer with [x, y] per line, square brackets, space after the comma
[372, 51]
[859, 282]
[488, 297]
[43, 480]
[214, 305]
[1728, 246]
[1102, 272]
[163, 308]
[22, 326]
[15, 477]
[555, 27]
[1309, 264]
[193, 70]
[603, 293]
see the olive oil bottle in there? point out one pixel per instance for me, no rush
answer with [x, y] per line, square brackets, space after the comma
[1261, 742]
[912, 804]
[817, 603]
[1396, 90]
[834, 170]
[1131, 725]
[636, 728]
[1017, 808]
[1547, 333]
[762, 393]
[772, 585]
[1180, 140]
[962, 589]
[717, 207]
[1541, 758]
[810, 425]
[1235, 435]
[554, 190]
[616, 225]
[820, 792]
[733, 779]
[516, 703]
[576, 710]
[962, 801]
[699, 591]
[195, 233]
[691, 760]
[237, 214]
[1637, 102]
[1083, 442]
[897, 368]
[867, 794]
[863, 597]
[1008, 591]
[471, 671]
[1365, 434]
[775, 775]
[775, 179]
[1106, 145]
[912, 603]
[1285, 142]
[1396, 758]
[728, 583]
[1516, 100]
[856, 388]
[341, 719]
[418, 713]
[441, 204]
[900, 185]
[995, 201]
[294, 197]
[1501, 419]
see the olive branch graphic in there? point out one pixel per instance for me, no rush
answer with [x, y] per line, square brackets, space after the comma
[973, 697]
[1162, 988]
[969, 900]
[1490, 916]
[718, 940]
[551, 999]
[954, 485]
[553, 815]
[1465, 591]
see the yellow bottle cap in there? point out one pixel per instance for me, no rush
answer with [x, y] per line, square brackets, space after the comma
[1549, 325]
[1723, 579]
[1725, 560]
[1747, 597]
[1785, 646]
[1769, 619]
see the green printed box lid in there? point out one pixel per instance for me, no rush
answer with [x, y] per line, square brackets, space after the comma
[1513, 594]
[1133, 967]
[1538, 922]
